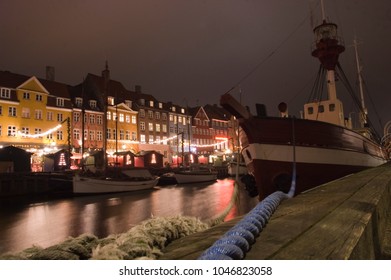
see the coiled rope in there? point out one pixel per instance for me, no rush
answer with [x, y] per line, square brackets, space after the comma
[235, 243]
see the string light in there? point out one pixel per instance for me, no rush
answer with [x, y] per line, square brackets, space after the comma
[40, 134]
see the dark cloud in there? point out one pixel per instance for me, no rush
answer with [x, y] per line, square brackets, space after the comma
[193, 51]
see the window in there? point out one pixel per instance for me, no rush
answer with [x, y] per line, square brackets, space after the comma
[310, 110]
[128, 103]
[99, 119]
[164, 116]
[134, 120]
[160, 105]
[5, 93]
[38, 97]
[76, 134]
[11, 130]
[26, 95]
[150, 114]
[142, 102]
[150, 126]
[49, 136]
[85, 118]
[121, 117]
[92, 135]
[26, 113]
[38, 131]
[59, 117]
[85, 134]
[127, 135]
[108, 116]
[134, 136]
[142, 113]
[173, 109]
[114, 116]
[180, 119]
[92, 118]
[25, 130]
[12, 111]
[158, 127]
[142, 138]
[110, 100]
[0, 130]
[99, 135]
[49, 116]
[182, 110]
[150, 103]
[332, 107]
[79, 101]
[93, 104]
[164, 128]
[60, 135]
[121, 134]
[150, 139]
[142, 126]
[157, 115]
[321, 108]
[38, 114]
[76, 117]
[108, 133]
[60, 102]
[1, 110]
[127, 119]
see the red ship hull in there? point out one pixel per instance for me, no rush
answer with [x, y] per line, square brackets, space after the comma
[322, 152]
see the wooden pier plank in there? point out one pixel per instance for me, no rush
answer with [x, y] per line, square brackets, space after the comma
[343, 219]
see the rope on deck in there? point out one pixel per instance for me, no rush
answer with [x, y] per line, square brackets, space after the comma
[236, 242]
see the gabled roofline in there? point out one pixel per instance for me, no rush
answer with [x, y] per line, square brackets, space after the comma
[37, 81]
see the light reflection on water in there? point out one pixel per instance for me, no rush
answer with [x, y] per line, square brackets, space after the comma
[47, 223]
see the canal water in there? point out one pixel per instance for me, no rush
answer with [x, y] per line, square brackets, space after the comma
[45, 223]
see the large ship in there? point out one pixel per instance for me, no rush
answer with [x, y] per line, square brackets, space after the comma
[316, 148]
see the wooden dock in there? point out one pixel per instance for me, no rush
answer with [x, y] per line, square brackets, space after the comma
[349, 218]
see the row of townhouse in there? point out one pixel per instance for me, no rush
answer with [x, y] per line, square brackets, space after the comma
[42, 115]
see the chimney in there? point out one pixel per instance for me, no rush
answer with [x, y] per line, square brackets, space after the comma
[50, 73]
[137, 89]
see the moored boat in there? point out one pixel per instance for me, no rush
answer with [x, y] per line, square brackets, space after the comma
[195, 176]
[317, 148]
[129, 180]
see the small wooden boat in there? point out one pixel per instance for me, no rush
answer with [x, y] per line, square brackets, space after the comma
[195, 176]
[130, 180]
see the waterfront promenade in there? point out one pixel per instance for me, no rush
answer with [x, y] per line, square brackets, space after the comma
[349, 218]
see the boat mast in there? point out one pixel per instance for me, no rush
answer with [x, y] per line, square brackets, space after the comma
[106, 80]
[364, 112]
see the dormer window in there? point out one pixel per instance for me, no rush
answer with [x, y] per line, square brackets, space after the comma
[60, 102]
[150, 103]
[173, 109]
[182, 110]
[5, 93]
[160, 105]
[93, 104]
[128, 103]
[79, 101]
[110, 100]
[142, 102]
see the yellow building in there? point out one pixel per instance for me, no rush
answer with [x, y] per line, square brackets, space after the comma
[34, 113]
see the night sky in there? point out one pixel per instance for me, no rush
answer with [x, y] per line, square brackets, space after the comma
[193, 51]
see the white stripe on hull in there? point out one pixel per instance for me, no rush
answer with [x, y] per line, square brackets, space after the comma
[314, 155]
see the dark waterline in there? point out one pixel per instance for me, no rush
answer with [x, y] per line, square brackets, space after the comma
[45, 223]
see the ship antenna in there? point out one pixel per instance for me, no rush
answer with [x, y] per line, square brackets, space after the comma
[364, 112]
[323, 12]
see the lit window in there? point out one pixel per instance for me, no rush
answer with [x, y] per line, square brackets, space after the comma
[153, 159]
[134, 120]
[110, 100]
[60, 102]
[150, 103]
